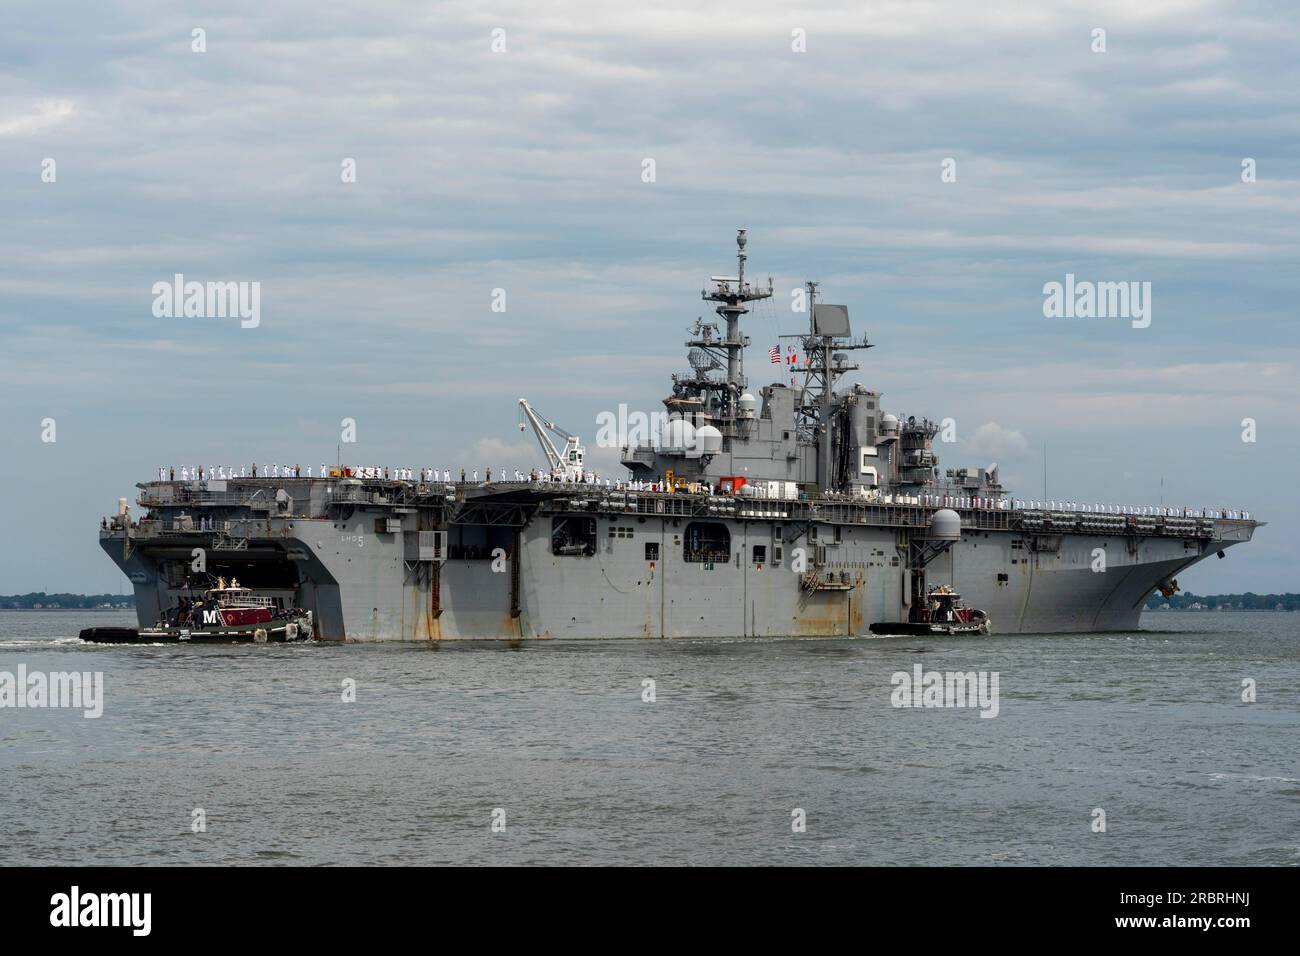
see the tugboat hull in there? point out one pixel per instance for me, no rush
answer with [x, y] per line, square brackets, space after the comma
[110, 635]
[277, 634]
[172, 635]
[910, 629]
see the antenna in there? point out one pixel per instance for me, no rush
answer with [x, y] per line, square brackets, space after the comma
[732, 296]
[740, 256]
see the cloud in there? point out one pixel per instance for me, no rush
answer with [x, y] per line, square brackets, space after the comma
[40, 116]
[497, 454]
[991, 439]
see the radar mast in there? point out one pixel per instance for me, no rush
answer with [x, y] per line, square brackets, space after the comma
[732, 295]
[824, 346]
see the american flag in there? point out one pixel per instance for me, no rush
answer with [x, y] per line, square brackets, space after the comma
[775, 353]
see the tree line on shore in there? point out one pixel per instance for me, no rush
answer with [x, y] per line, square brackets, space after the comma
[1249, 601]
[39, 600]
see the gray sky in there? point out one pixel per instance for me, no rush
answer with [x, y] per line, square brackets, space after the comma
[522, 170]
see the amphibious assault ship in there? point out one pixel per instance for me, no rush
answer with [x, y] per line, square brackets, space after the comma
[800, 510]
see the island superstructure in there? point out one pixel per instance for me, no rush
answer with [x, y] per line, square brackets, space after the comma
[800, 510]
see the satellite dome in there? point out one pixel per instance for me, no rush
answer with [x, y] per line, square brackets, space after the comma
[889, 424]
[945, 525]
[677, 435]
[748, 404]
[708, 440]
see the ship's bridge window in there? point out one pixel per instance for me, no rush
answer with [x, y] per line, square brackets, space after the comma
[706, 542]
[573, 535]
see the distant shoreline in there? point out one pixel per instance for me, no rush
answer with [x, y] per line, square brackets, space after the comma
[1203, 610]
[66, 601]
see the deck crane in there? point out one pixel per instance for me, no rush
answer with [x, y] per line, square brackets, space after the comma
[566, 463]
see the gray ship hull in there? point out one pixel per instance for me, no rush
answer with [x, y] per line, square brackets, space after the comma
[394, 562]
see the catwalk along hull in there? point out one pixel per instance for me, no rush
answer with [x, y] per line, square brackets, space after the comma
[394, 562]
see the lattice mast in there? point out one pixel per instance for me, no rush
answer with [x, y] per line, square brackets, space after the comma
[733, 295]
[824, 363]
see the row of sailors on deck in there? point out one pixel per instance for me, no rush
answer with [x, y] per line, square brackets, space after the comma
[1139, 510]
[424, 475]
[1078, 507]
[223, 472]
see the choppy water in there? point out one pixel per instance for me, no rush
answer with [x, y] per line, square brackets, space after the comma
[1148, 726]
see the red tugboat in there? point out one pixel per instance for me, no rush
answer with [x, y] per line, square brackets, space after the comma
[229, 612]
[942, 613]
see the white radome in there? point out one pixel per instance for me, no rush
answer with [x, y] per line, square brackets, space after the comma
[945, 525]
[677, 435]
[708, 440]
